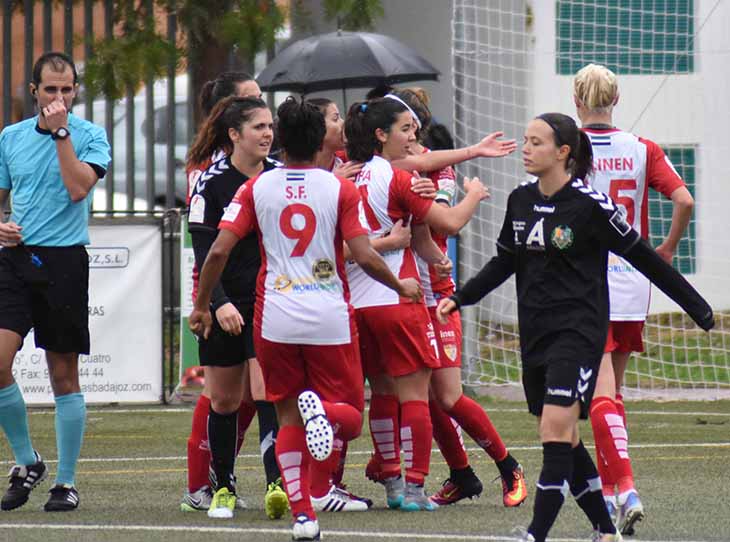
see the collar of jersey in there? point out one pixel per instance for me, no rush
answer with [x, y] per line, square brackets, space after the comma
[599, 126]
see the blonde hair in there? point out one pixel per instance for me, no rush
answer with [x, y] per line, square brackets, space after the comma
[596, 87]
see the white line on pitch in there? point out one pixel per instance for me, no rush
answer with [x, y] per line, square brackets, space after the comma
[242, 530]
[178, 410]
[366, 452]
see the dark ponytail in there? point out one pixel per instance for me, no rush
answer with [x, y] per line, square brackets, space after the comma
[228, 113]
[363, 119]
[566, 132]
[583, 159]
[300, 129]
[221, 87]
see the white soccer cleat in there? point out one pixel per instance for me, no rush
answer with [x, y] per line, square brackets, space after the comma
[337, 500]
[305, 528]
[319, 433]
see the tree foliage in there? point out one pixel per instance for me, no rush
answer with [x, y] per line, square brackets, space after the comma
[353, 14]
[211, 31]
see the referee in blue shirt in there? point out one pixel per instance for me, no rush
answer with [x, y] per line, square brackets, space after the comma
[49, 165]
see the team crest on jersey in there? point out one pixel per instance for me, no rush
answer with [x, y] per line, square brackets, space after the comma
[323, 269]
[450, 351]
[562, 237]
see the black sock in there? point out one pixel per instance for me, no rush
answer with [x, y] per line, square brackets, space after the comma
[222, 438]
[268, 428]
[557, 469]
[586, 488]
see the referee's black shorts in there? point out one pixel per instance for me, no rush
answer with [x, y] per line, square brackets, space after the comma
[46, 288]
[560, 383]
[223, 350]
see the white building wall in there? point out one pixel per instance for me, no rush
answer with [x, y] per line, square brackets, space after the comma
[687, 109]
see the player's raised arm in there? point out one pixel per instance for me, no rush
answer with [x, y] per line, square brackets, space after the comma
[450, 221]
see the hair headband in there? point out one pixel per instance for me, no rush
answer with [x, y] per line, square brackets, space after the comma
[397, 99]
[554, 128]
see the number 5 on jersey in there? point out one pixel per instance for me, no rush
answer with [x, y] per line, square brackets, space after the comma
[298, 222]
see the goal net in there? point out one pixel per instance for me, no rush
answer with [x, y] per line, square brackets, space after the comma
[515, 59]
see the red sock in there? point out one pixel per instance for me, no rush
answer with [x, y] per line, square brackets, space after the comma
[198, 449]
[294, 463]
[416, 434]
[447, 434]
[322, 472]
[612, 441]
[384, 430]
[608, 483]
[246, 412]
[339, 473]
[472, 418]
[621, 409]
[346, 420]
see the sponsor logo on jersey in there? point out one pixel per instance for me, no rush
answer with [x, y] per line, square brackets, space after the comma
[549, 209]
[518, 225]
[618, 221]
[282, 284]
[286, 285]
[536, 238]
[197, 209]
[323, 269]
[562, 237]
[231, 212]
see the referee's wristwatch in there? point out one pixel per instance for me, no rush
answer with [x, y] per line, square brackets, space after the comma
[61, 133]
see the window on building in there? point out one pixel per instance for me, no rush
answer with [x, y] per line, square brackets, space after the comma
[660, 210]
[639, 37]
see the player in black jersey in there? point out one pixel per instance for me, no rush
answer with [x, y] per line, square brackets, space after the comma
[244, 127]
[556, 236]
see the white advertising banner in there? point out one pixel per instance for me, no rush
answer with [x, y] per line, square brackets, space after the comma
[125, 322]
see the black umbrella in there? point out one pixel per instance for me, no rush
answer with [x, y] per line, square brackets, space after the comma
[344, 60]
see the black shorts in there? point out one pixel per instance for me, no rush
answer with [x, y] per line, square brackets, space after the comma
[224, 350]
[46, 288]
[560, 383]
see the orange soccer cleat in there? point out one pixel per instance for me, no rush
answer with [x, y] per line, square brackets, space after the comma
[514, 488]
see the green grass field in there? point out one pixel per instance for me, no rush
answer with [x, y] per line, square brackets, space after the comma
[132, 475]
[678, 354]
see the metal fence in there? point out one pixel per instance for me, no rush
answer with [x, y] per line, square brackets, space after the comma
[148, 133]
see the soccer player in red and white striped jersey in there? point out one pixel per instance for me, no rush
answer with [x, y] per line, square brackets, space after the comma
[305, 334]
[625, 166]
[397, 339]
[450, 409]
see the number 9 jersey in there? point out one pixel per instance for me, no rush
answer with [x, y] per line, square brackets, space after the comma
[302, 216]
[624, 167]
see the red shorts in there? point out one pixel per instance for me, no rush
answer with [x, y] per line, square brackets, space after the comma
[333, 372]
[624, 337]
[448, 338]
[396, 340]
